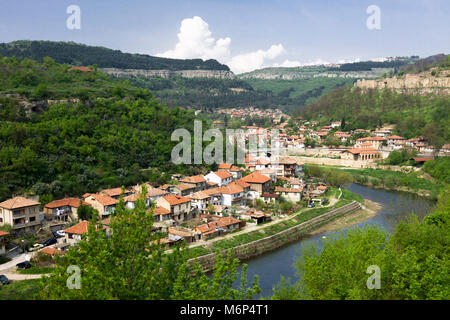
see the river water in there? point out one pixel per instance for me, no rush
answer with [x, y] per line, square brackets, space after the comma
[396, 206]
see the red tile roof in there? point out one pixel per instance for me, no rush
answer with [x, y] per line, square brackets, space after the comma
[114, 192]
[84, 69]
[173, 199]
[104, 200]
[225, 166]
[420, 159]
[255, 177]
[2, 233]
[18, 202]
[194, 179]
[223, 174]
[52, 251]
[72, 202]
[80, 228]
[160, 211]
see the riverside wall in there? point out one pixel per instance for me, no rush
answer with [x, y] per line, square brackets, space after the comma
[273, 242]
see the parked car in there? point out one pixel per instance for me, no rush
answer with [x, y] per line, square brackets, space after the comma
[50, 241]
[23, 265]
[4, 280]
[58, 234]
[36, 247]
[311, 205]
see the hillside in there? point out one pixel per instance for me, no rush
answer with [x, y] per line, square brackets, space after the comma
[80, 54]
[365, 69]
[429, 75]
[99, 133]
[412, 115]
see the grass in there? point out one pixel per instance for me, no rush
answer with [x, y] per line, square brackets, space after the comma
[36, 270]
[20, 290]
[393, 179]
[4, 259]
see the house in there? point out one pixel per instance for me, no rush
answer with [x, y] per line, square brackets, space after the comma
[258, 182]
[256, 216]
[200, 201]
[3, 242]
[287, 167]
[115, 193]
[215, 228]
[335, 124]
[161, 214]
[419, 161]
[105, 205]
[169, 241]
[179, 207]
[233, 195]
[445, 149]
[236, 172]
[376, 142]
[221, 177]
[198, 181]
[393, 139]
[269, 197]
[231, 224]
[21, 213]
[188, 235]
[75, 233]
[52, 251]
[209, 230]
[63, 209]
[290, 194]
[360, 154]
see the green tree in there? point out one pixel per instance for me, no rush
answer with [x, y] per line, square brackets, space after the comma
[131, 263]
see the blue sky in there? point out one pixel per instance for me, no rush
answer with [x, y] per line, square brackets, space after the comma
[261, 33]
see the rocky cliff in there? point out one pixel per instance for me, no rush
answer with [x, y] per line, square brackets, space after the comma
[221, 74]
[432, 81]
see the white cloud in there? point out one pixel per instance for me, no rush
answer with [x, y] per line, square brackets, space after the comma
[255, 60]
[195, 41]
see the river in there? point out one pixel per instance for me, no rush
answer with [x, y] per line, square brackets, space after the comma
[396, 206]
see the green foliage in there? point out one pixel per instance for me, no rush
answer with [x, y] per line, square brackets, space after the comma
[413, 263]
[438, 169]
[73, 148]
[80, 54]
[131, 264]
[86, 212]
[402, 156]
[20, 290]
[413, 115]
[333, 177]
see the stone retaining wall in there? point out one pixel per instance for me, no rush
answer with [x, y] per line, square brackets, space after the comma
[255, 248]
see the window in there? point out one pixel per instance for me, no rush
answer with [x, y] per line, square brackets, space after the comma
[32, 219]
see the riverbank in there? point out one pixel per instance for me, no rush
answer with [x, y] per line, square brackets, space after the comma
[370, 209]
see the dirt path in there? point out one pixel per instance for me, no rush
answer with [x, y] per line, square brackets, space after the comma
[370, 210]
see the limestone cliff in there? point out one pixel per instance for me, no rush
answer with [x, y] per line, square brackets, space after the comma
[221, 74]
[432, 81]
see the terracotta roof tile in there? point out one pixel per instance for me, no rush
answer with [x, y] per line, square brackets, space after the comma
[223, 174]
[255, 177]
[174, 199]
[72, 202]
[18, 202]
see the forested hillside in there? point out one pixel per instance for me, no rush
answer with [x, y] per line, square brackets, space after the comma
[116, 135]
[428, 116]
[80, 54]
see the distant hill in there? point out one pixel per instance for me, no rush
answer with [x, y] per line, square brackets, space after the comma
[80, 54]
[424, 64]
[357, 70]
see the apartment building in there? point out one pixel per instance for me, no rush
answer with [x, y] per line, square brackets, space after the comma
[21, 213]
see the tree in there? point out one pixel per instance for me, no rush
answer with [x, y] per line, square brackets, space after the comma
[413, 263]
[132, 264]
[86, 212]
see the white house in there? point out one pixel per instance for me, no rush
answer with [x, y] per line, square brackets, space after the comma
[221, 177]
